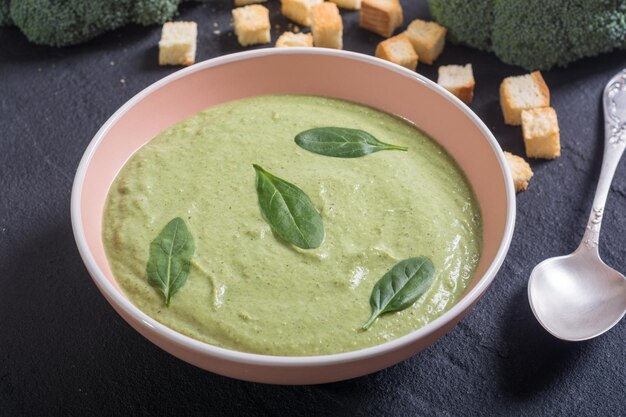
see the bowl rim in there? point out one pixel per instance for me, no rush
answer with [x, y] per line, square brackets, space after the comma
[121, 302]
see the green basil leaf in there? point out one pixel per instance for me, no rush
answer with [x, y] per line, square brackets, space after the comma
[342, 142]
[400, 287]
[288, 211]
[170, 258]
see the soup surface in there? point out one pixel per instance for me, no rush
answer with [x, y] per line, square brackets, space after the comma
[250, 291]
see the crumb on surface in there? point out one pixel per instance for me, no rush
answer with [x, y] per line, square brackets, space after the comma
[459, 80]
[290, 39]
[398, 49]
[540, 128]
[523, 92]
[252, 24]
[178, 43]
[520, 171]
[428, 39]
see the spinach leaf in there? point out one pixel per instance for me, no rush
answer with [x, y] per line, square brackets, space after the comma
[170, 258]
[400, 287]
[288, 211]
[342, 142]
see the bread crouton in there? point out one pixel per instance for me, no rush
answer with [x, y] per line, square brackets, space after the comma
[348, 4]
[541, 133]
[327, 26]
[252, 24]
[457, 79]
[246, 2]
[428, 39]
[398, 50]
[522, 93]
[300, 11]
[294, 39]
[520, 171]
[381, 16]
[178, 43]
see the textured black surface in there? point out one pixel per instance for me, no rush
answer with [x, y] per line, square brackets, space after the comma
[64, 351]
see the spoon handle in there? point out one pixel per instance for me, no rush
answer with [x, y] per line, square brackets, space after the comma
[614, 99]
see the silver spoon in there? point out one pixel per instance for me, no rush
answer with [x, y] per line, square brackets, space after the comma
[578, 297]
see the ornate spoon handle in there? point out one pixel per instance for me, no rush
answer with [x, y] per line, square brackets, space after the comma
[614, 99]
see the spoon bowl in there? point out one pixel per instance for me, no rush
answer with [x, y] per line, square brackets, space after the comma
[577, 297]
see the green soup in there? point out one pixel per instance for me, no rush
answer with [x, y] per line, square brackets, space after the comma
[250, 291]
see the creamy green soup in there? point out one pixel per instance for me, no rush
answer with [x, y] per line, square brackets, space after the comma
[250, 291]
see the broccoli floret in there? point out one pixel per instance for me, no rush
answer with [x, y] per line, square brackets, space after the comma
[69, 22]
[469, 22]
[540, 34]
[596, 27]
[530, 33]
[148, 12]
[5, 13]
[537, 34]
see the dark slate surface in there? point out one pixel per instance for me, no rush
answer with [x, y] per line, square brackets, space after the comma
[64, 351]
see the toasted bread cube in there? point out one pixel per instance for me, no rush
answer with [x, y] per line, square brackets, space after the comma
[381, 16]
[522, 93]
[252, 24]
[457, 79]
[541, 133]
[520, 171]
[348, 4]
[428, 39]
[398, 50]
[294, 39]
[300, 11]
[178, 43]
[246, 2]
[327, 26]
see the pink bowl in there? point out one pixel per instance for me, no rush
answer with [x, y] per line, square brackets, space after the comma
[316, 71]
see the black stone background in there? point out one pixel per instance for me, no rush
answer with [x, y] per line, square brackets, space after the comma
[65, 352]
